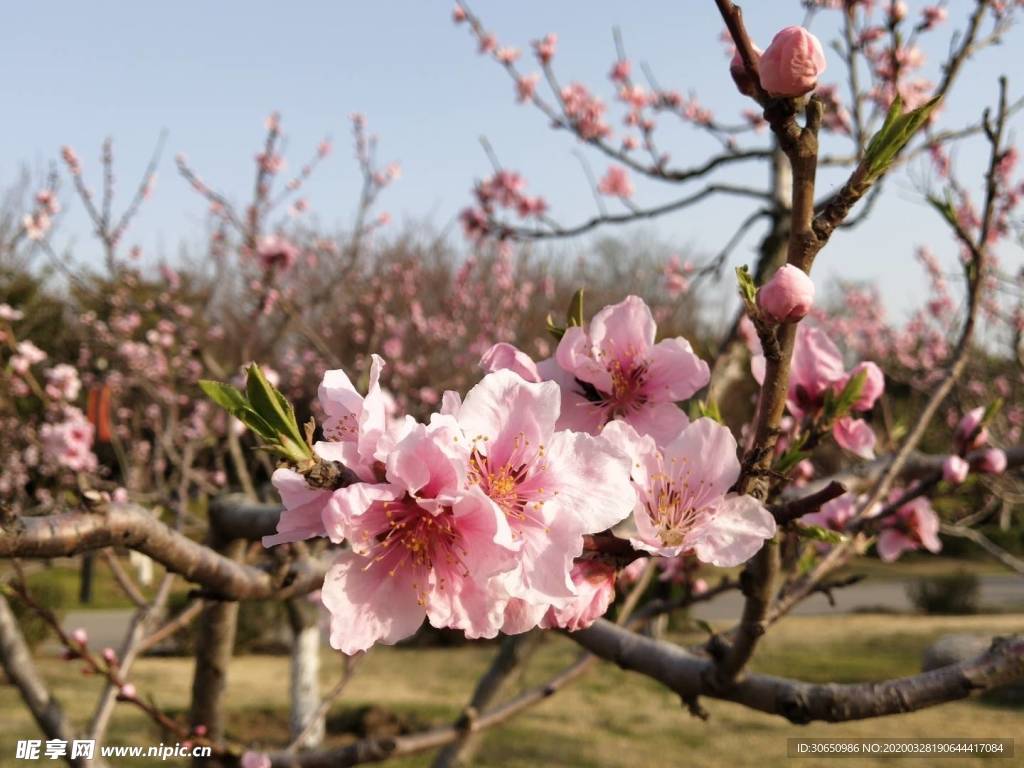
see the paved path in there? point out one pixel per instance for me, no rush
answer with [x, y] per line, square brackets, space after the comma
[998, 592]
[107, 627]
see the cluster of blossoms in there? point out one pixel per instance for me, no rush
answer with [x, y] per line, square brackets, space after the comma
[817, 372]
[475, 519]
[911, 526]
[38, 222]
[971, 434]
[503, 190]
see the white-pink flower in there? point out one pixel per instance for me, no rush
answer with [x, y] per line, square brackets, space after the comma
[912, 526]
[302, 516]
[424, 544]
[613, 369]
[552, 486]
[69, 442]
[355, 424]
[275, 252]
[683, 500]
[595, 590]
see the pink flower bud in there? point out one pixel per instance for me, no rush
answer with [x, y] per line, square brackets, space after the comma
[992, 462]
[955, 469]
[199, 730]
[792, 63]
[80, 636]
[897, 11]
[110, 656]
[788, 296]
[969, 433]
[739, 73]
[874, 386]
[128, 691]
[933, 15]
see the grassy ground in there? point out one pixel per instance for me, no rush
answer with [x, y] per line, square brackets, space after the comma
[609, 719]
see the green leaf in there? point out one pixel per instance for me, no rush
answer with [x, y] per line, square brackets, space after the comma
[574, 315]
[705, 409]
[794, 455]
[224, 395]
[945, 207]
[838, 406]
[991, 411]
[271, 405]
[748, 290]
[237, 404]
[704, 626]
[817, 533]
[554, 329]
[807, 561]
[896, 132]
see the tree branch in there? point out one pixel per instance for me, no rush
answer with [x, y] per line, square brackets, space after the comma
[799, 702]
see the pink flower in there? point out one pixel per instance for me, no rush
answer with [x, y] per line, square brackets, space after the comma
[683, 500]
[874, 385]
[992, 462]
[69, 443]
[616, 183]
[933, 15]
[815, 370]
[458, 14]
[80, 637]
[128, 691]
[36, 225]
[505, 356]
[302, 517]
[507, 55]
[620, 71]
[834, 515]
[545, 48]
[955, 469]
[970, 433]
[791, 65]
[897, 11]
[552, 486]
[614, 370]
[739, 73]
[26, 355]
[354, 424]
[8, 313]
[526, 86]
[423, 545]
[788, 296]
[912, 526]
[256, 760]
[62, 382]
[595, 590]
[274, 252]
[110, 656]
[856, 436]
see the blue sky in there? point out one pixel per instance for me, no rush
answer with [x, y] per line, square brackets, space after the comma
[209, 73]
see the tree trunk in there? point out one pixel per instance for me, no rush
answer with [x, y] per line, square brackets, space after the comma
[305, 674]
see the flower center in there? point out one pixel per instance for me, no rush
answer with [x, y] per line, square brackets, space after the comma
[516, 485]
[418, 539]
[672, 507]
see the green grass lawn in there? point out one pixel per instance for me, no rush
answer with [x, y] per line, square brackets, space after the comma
[608, 719]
